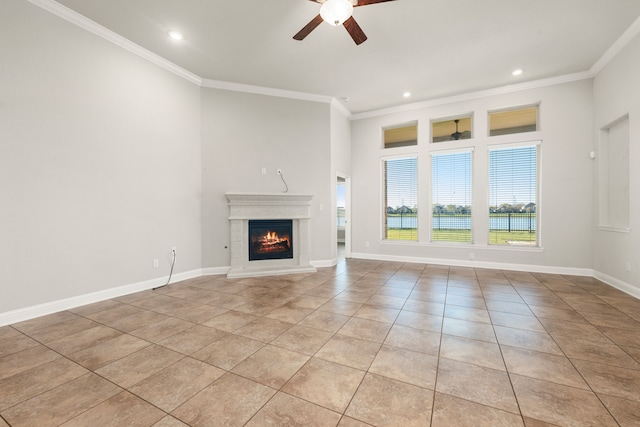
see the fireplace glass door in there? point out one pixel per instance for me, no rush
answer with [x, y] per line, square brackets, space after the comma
[270, 239]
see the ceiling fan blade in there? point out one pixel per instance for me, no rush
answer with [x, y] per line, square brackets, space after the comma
[368, 2]
[308, 28]
[355, 31]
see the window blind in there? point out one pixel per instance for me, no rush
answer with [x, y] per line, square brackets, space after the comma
[513, 174]
[451, 197]
[401, 199]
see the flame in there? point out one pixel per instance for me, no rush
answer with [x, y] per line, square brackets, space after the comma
[271, 237]
[271, 242]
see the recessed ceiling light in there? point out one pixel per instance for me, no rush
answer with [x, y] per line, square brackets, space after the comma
[517, 72]
[176, 35]
[407, 94]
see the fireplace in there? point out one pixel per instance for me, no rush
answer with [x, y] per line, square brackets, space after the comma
[270, 239]
[269, 234]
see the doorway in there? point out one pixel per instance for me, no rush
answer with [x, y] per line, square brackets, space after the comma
[343, 225]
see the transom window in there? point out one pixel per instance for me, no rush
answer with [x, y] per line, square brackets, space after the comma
[515, 120]
[401, 136]
[451, 129]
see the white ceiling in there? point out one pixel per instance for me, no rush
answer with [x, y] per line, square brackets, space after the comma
[432, 48]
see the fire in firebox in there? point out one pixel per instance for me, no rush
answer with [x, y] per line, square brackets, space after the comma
[270, 243]
[270, 239]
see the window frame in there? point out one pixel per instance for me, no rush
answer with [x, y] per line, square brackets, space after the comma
[383, 224]
[400, 144]
[513, 108]
[479, 145]
[507, 146]
[471, 151]
[433, 121]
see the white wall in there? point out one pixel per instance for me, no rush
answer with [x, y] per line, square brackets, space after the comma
[565, 207]
[99, 163]
[617, 93]
[340, 165]
[243, 133]
[340, 142]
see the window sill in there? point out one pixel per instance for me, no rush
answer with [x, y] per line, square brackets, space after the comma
[453, 245]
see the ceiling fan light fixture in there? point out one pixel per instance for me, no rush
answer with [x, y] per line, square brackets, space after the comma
[335, 12]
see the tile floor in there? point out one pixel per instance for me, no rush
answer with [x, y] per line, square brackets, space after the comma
[363, 343]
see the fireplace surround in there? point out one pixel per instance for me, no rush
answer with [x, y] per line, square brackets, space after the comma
[278, 209]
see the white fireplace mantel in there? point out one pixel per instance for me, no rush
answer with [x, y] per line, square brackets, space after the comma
[248, 206]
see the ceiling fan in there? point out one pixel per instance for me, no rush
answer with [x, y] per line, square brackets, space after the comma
[338, 12]
[457, 135]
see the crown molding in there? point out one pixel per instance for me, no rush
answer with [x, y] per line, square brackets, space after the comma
[616, 47]
[262, 90]
[632, 31]
[97, 29]
[160, 61]
[113, 37]
[340, 107]
[534, 84]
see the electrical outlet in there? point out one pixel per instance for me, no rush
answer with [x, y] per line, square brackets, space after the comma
[472, 256]
[264, 171]
[156, 263]
[366, 244]
[628, 266]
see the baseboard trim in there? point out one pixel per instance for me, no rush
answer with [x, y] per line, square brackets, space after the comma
[27, 313]
[621, 285]
[479, 264]
[215, 271]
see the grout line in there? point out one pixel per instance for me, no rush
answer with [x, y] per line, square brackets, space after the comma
[504, 362]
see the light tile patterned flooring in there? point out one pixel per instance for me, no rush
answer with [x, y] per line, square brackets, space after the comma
[363, 343]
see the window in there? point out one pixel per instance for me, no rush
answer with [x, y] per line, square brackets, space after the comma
[451, 197]
[401, 198]
[513, 210]
[402, 136]
[614, 175]
[451, 129]
[516, 120]
[506, 202]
